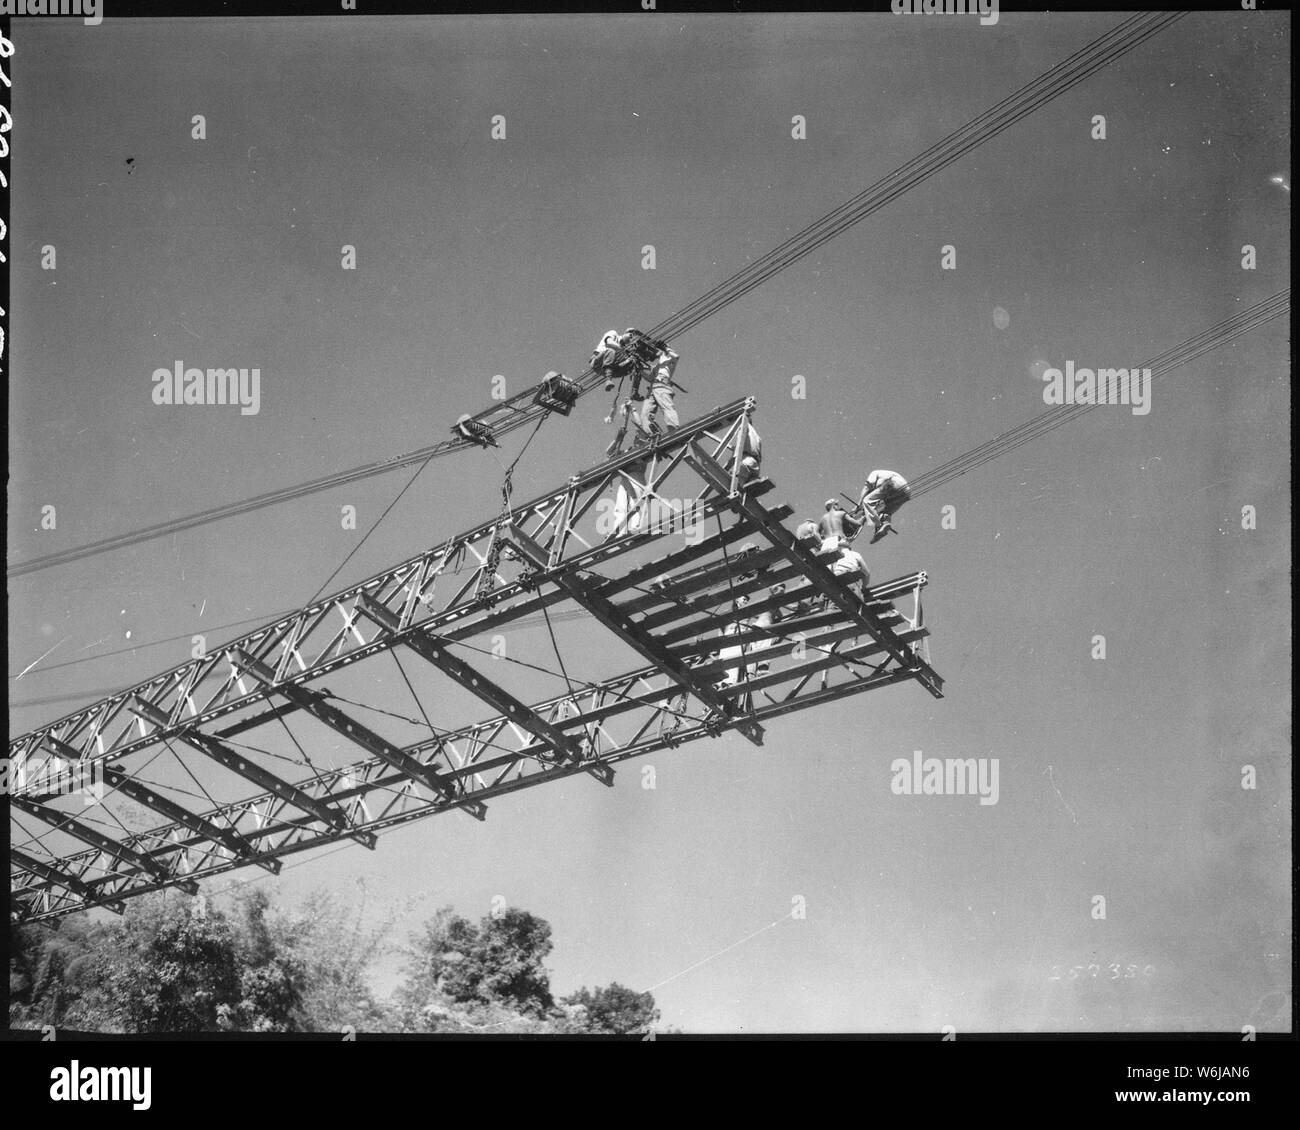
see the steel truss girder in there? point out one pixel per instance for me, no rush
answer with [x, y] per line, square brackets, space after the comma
[57, 878]
[149, 798]
[467, 755]
[326, 635]
[625, 716]
[489, 775]
[80, 830]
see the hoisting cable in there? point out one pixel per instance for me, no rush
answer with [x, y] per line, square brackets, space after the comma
[1060, 78]
[352, 552]
[1228, 330]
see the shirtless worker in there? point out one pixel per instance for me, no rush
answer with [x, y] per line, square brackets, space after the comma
[837, 530]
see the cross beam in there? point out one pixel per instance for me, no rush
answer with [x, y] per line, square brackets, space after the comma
[317, 705]
[434, 651]
[609, 614]
[149, 798]
[263, 778]
[84, 832]
[61, 878]
[817, 573]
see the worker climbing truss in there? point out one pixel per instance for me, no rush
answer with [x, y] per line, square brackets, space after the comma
[668, 547]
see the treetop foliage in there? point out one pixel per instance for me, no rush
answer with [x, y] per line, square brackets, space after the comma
[176, 963]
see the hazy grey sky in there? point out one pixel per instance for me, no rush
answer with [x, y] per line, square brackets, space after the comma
[1119, 777]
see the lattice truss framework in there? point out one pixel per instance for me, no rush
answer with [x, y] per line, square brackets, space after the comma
[648, 547]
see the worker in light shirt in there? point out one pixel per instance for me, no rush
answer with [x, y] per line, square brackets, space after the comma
[660, 397]
[882, 494]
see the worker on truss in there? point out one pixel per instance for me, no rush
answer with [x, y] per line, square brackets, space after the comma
[660, 395]
[808, 535]
[836, 523]
[762, 621]
[610, 358]
[882, 495]
[618, 357]
[851, 561]
[834, 546]
[751, 455]
[837, 530]
[630, 492]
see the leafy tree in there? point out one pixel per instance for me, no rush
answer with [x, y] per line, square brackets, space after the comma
[171, 964]
[176, 965]
[180, 964]
[271, 977]
[50, 967]
[497, 962]
[335, 951]
[513, 946]
[612, 1009]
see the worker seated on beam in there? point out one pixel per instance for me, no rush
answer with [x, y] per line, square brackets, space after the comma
[850, 561]
[766, 620]
[609, 358]
[800, 606]
[882, 495]
[807, 534]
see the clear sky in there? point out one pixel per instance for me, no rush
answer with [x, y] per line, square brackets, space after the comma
[1119, 777]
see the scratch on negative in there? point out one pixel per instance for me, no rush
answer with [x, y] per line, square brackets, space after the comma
[39, 658]
[1059, 797]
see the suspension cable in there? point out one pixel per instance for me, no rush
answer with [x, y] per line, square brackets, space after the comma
[1112, 45]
